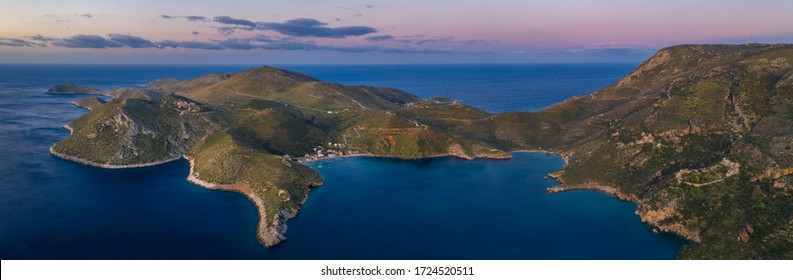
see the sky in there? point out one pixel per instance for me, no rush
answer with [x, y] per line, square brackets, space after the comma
[376, 32]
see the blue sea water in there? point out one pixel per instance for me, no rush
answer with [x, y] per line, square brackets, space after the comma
[495, 88]
[368, 208]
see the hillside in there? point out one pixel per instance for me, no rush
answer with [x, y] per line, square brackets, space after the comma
[284, 86]
[89, 103]
[698, 136]
[131, 132]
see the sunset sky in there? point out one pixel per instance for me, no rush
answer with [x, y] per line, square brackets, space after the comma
[372, 32]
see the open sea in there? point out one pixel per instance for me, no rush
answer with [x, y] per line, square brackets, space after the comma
[368, 208]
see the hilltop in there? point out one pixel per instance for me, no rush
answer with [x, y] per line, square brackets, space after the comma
[698, 136]
[287, 87]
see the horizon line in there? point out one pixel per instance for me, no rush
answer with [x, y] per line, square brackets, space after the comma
[318, 64]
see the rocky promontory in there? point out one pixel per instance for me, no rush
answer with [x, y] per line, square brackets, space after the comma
[69, 88]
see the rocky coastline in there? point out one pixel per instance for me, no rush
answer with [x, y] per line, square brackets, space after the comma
[657, 218]
[564, 157]
[654, 218]
[267, 236]
[594, 187]
[103, 165]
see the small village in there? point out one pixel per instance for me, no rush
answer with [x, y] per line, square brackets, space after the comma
[330, 150]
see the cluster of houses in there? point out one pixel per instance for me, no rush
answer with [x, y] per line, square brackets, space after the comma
[328, 151]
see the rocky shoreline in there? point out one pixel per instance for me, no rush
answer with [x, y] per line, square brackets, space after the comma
[654, 218]
[595, 187]
[565, 158]
[481, 156]
[107, 166]
[103, 165]
[267, 236]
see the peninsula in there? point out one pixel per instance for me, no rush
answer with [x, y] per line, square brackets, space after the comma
[699, 136]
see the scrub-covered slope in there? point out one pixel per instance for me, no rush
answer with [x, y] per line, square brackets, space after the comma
[701, 137]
